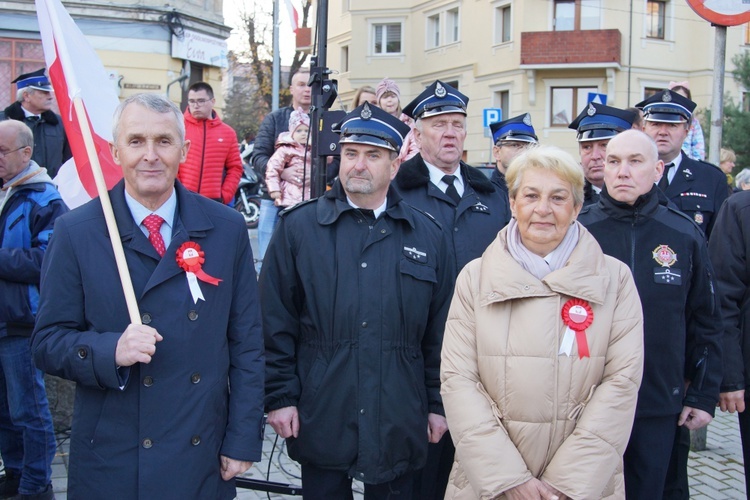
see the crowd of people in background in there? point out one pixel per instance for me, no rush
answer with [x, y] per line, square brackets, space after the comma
[553, 330]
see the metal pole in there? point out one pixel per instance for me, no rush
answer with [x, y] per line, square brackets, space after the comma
[717, 104]
[318, 76]
[276, 77]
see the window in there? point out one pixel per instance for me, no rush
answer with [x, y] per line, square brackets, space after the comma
[747, 34]
[746, 102]
[386, 38]
[443, 28]
[567, 102]
[572, 15]
[656, 19]
[649, 91]
[433, 31]
[502, 101]
[453, 24]
[502, 24]
[344, 58]
[17, 56]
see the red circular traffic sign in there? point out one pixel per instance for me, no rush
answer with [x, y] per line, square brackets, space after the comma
[722, 12]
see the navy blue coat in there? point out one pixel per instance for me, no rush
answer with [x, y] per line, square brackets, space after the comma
[353, 317]
[698, 189]
[729, 249]
[154, 430]
[681, 318]
[472, 225]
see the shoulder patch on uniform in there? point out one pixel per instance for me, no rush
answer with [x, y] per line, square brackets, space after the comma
[684, 216]
[295, 207]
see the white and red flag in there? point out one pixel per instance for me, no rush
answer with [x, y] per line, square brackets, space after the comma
[76, 72]
[293, 16]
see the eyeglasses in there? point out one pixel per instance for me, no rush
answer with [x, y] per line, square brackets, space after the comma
[199, 102]
[3, 155]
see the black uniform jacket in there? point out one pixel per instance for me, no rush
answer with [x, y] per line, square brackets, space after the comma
[729, 247]
[668, 256]
[498, 179]
[472, 225]
[353, 317]
[698, 189]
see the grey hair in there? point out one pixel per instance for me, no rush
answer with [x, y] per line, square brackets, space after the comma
[154, 102]
[742, 178]
[21, 92]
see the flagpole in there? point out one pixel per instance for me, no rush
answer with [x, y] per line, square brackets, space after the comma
[276, 77]
[109, 215]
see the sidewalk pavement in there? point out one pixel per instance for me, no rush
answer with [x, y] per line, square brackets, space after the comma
[714, 474]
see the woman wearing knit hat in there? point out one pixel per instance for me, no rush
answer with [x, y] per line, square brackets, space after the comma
[388, 97]
[292, 150]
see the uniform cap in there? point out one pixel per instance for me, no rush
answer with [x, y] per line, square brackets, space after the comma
[598, 121]
[367, 124]
[667, 106]
[437, 99]
[34, 80]
[518, 128]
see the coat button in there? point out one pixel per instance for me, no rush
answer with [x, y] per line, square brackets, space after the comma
[147, 443]
[82, 353]
[146, 318]
[382, 231]
[492, 295]
[148, 381]
[195, 440]
[192, 315]
[526, 287]
[364, 324]
[364, 264]
[455, 229]
[195, 377]
[362, 411]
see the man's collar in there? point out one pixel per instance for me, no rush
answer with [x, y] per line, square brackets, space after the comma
[436, 175]
[140, 212]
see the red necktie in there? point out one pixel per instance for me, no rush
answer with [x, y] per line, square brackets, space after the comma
[153, 223]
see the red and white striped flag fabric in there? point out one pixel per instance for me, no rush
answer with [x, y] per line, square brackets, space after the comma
[293, 16]
[76, 71]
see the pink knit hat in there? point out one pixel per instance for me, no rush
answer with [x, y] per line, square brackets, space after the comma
[387, 85]
[297, 118]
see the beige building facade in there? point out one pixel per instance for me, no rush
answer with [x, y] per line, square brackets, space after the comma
[145, 45]
[543, 57]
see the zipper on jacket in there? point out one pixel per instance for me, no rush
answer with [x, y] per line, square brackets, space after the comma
[632, 242]
[701, 367]
[203, 157]
[15, 222]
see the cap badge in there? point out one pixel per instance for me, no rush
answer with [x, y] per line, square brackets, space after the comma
[366, 113]
[527, 119]
[664, 256]
[592, 110]
[666, 97]
[440, 91]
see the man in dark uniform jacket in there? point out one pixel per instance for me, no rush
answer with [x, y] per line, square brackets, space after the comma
[466, 203]
[470, 209]
[596, 125]
[355, 291]
[511, 137]
[668, 257]
[33, 107]
[697, 188]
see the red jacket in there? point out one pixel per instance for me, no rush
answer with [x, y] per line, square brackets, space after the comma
[213, 166]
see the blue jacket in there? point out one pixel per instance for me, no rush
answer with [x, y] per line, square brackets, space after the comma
[26, 220]
[353, 317]
[473, 224]
[682, 331]
[154, 430]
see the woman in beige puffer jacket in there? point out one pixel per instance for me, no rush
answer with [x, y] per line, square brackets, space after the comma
[516, 408]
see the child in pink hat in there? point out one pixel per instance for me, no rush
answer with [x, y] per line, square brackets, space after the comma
[388, 97]
[292, 150]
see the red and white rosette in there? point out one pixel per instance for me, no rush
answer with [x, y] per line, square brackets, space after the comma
[577, 316]
[190, 258]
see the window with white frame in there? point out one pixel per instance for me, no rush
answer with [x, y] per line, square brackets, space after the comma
[386, 38]
[566, 103]
[344, 58]
[572, 15]
[656, 19]
[433, 31]
[502, 101]
[443, 27]
[502, 24]
[453, 25]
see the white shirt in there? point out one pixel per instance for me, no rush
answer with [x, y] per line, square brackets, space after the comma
[377, 211]
[166, 212]
[436, 177]
[673, 170]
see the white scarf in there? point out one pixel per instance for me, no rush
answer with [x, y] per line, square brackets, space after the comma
[534, 264]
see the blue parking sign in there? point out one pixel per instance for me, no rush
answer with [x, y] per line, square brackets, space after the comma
[597, 98]
[491, 115]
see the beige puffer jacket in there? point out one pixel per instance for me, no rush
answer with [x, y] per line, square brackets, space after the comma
[516, 408]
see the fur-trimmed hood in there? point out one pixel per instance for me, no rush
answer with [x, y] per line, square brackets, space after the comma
[413, 174]
[15, 112]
